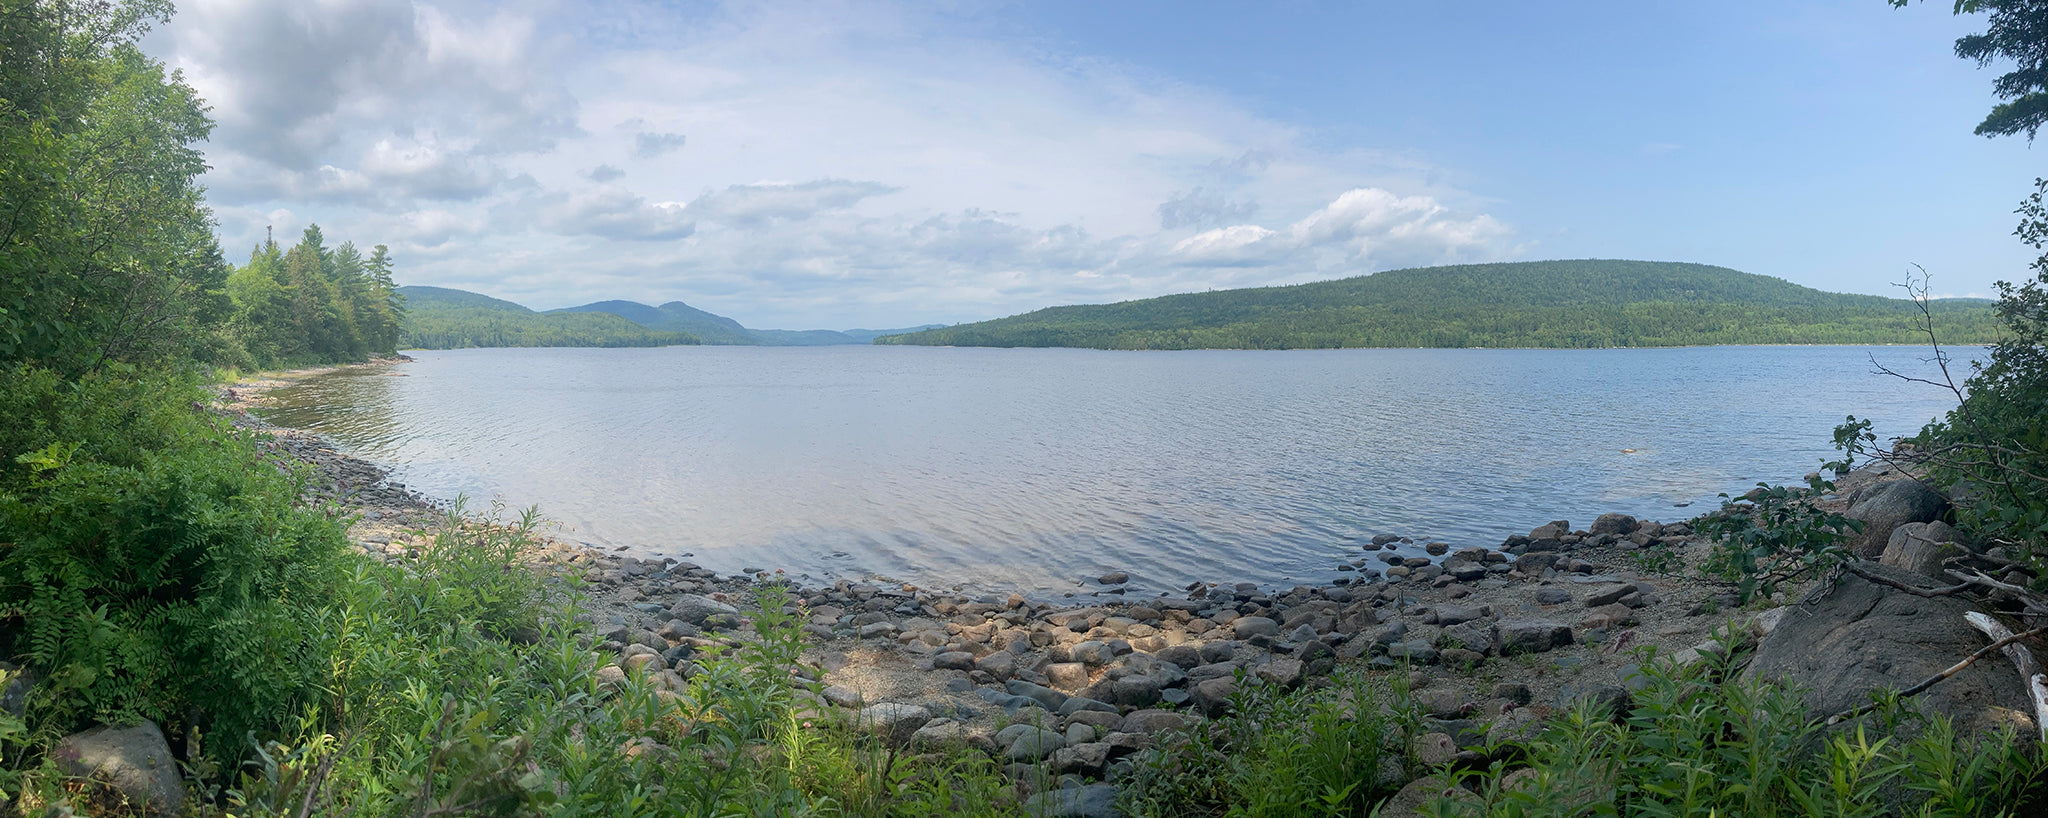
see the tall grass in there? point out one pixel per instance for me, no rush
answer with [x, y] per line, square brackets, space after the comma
[1699, 742]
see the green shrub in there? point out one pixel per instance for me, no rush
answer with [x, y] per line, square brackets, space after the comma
[151, 564]
[1307, 753]
[1697, 743]
[1773, 535]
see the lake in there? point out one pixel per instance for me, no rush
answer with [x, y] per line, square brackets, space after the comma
[1034, 469]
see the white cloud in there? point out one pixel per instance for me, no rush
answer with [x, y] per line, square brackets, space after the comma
[924, 172]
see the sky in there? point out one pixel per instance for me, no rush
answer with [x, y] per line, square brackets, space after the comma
[876, 164]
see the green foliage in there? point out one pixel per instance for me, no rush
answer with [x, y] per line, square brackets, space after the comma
[151, 564]
[312, 305]
[1556, 304]
[1281, 754]
[438, 318]
[430, 713]
[1699, 743]
[2017, 30]
[1773, 535]
[106, 251]
[1992, 449]
[674, 316]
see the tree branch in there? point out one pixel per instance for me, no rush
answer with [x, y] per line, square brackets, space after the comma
[1930, 681]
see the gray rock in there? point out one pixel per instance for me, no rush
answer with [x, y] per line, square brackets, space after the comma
[1535, 562]
[1428, 789]
[1552, 596]
[1246, 627]
[1000, 664]
[1473, 636]
[14, 692]
[1114, 578]
[1605, 700]
[1081, 758]
[1149, 722]
[1105, 721]
[135, 763]
[1920, 548]
[1608, 596]
[1530, 636]
[1029, 742]
[1090, 801]
[1864, 636]
[1620, 525]
[1182, 656]
[877, 629]
[1091, 653]
[1512, 691]
[895, 722]
[1414, 650]
[1283, 672]
[695, 608]
[1067, 675]
[1885, 507]
[841, 696]
[1215, 652]
[1136, 691]
[953, 660]
[1212, 696]
[1448, 615]
[1052, 699]
[1075, 705]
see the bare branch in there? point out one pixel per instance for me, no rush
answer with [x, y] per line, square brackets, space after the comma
[1931, 681]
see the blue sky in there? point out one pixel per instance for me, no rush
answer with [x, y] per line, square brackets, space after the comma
[880, 164]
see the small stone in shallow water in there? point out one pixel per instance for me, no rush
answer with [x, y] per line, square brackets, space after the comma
[1114, 578]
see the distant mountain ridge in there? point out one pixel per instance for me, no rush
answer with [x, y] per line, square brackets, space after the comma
[1584, 303]
[444, 318]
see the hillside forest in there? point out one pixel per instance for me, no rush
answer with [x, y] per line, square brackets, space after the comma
[1571, 304]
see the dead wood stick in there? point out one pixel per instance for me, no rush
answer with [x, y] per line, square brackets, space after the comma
[1945, 590]
[2030, 670]
[1930, 681]
[2026, 596]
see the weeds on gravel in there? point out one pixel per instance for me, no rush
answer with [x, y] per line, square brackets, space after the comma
[1335, 751]
[1697, 743]
[435, 714]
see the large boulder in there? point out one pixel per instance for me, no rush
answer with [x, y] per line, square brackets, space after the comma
[895, 722]
[1886, 506]
[1514, 636]
[695, 608]
[1620, 525]
[1864, 636]
[129, 764]
[1088, 801]
[1920, 548]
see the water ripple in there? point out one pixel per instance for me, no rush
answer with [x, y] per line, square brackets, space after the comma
[1038, 468]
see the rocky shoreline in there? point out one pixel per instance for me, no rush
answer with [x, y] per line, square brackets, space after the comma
[1489, 639]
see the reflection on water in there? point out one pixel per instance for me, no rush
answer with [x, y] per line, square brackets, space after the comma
[1036, 468]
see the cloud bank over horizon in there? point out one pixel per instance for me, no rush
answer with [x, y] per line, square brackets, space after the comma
[826, 166]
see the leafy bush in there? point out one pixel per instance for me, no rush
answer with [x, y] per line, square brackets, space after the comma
[1773, 535]
[152, 565]
[1309, 752]
[1698, 743]
[1993, 447]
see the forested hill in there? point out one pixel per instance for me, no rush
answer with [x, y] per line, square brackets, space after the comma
[1556, 304]
[674, 316]
[441, 318]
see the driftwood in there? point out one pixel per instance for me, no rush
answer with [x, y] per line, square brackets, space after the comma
[2030, 670]
[1952, 670]
[1853, 568]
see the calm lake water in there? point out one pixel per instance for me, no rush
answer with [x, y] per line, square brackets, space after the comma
[1035, 469]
